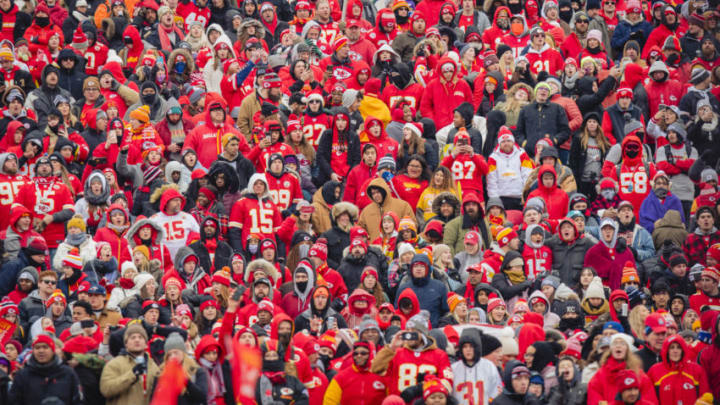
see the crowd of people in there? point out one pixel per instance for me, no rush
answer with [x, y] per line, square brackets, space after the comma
[359, 203]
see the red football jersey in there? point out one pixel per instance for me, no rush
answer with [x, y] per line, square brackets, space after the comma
[96, 56]
[285, 190]
[9, 188]
[44, 197]
[547, 59]
[468, 171]
[314, 126]
[329, 31]
[412, 94]
[407, 364]
[635, 184]
[252, 216]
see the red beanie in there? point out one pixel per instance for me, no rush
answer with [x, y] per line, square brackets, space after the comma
[43, 338]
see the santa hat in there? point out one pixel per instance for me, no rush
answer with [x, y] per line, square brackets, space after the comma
[415, 127]
[504, 134]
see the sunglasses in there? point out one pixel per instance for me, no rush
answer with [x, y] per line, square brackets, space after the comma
[361, 353]
[582, 21]
[314, 102]
[50, 282]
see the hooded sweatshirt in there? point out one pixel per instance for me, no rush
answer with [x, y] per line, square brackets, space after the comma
[537, 256]
[181, 228]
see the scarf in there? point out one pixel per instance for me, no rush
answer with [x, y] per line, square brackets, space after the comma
[126, 283]
[516, 276]
[119, 229]
[76, 239]
[216, 383]
[164, 34]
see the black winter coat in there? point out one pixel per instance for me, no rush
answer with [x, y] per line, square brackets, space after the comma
[72, 80]
[536, 120]
[568, 258]
[617, 118]
[591, 101]
[35, 382]
[351, 268]
[325, 154]
[568, 393]
[337, 241]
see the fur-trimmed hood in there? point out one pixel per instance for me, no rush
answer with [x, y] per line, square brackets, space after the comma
[449, 197]
[250, 22]
[426, 42]
[158, 231]
[188, 58]
[157, 194]
[341, 207]
[266, 265]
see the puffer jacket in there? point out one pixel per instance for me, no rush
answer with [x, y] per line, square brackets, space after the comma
[508, 173]
[568, 256]
[676, 164]
[431, 294]
[442, 97]
[572, 392]
[35, 382]
[537, 119]
[669, 227]
[678, 382]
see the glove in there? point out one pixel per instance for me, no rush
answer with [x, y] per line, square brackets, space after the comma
[621, 245]
[409, 394]
[139, 369]
[337, 304]
[114, 85]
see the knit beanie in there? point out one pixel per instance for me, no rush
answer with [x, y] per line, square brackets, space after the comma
[629, 274]
[174, 341]
[141, 114]
[132, 329]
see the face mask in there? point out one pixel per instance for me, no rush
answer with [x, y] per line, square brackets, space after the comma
[325, 359]
[180, 67]
[42, 21]
[515, 8]
[632, 154]
[273, 366]
[252, 248]
[301, 285]
[660, 193]
[608, 194]
[148, 98]
[594, 49]
[504, 24]
[517, 28]
[566, 15]
[303, 251]
[284, 338]
[571, 323]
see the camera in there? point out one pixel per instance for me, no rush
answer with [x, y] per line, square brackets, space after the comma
[410, 336]
[140, 359]
[88, 323]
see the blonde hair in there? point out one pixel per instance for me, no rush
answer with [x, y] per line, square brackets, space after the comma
[636, 318]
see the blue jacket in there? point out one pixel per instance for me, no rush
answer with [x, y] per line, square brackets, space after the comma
[431, 293]
[653, 209]
[643, 243]
[9, 273]
[623, 32]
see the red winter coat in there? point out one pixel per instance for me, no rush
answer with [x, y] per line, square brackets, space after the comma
[442, 97]
[709, 360]
[678, 383]
[555, 199]
[492, 36]
[117, 241]
[383, 144]
[38, 37]
[604, 384]
[205, 139]
[359, 175]
[608, 263]
[668, 92]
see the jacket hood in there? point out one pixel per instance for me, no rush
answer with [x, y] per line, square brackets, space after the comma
[12, 127]
[633, 74]
[540, 295]
[277, 319]
[366, 136]
[497, 13]
[394, 57]
[304, 265]
[409, 294]
[547, 169]
[132, 32]
[544, 355]
[574, 225]
[666, 346]
[230, 174]
[104, 193]
[360, 295]
[114, 207]
[422, 258]
[507, 376]
[609, 222]
[631, 139]
[255, 178]
[183, 254]
[379, 183]
[157, 235]
[471, 337]
[446, 197]
[175, 166]
[267, 267]
[344, 206]
[528, 233]
[189, 61]
[168, 195]
[211, 99]
[444, 60]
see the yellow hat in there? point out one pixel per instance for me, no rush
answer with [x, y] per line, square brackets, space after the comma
[227, 138]
[77, 221]
[141, 114]
[6, 53]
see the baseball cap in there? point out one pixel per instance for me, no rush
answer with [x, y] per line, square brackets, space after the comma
[655, 323]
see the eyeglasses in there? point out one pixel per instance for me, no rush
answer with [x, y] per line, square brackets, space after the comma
[50, 282]
[314, 102]
[361, 353]
[582, 21]
[609, 3]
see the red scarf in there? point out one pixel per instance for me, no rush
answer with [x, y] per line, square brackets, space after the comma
[126, 283]
[165, 39]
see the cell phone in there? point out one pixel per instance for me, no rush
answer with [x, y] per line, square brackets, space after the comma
[238, 293]
[624, 309]
[409, 336]
[87, 323]
[331, 322]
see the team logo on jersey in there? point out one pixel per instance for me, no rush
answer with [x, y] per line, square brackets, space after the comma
[267, 205]
[286, 391]
[378, 385]
[687, 386]
[286, 183]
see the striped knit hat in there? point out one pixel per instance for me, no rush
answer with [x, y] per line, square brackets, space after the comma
[72, 259]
